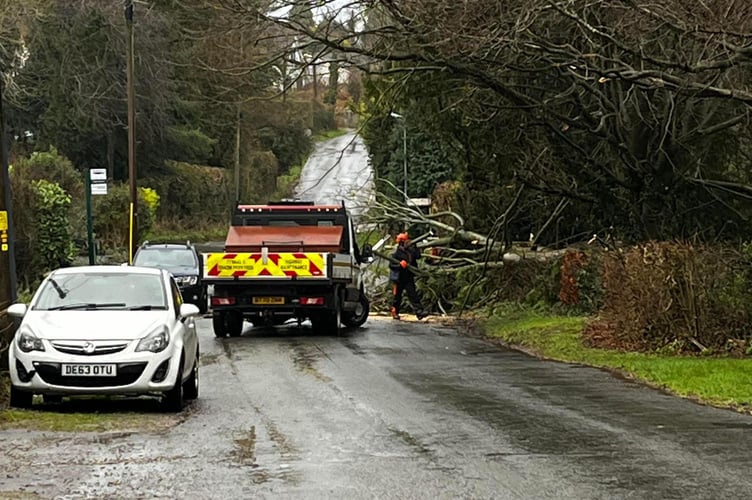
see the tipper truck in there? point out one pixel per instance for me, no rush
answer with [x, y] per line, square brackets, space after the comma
[288, 260]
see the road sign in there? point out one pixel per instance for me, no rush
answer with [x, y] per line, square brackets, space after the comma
[98, 174]
[99, 188]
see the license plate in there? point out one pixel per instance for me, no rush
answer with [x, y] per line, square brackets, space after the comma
[268, 300]
[88, 370]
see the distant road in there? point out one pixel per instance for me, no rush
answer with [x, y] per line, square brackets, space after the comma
[337, 170]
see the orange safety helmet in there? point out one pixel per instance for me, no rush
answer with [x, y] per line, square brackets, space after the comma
[402, 237]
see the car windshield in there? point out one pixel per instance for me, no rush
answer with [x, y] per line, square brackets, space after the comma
[165, 257]
[101, 290]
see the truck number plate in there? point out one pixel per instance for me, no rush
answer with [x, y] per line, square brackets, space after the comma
[89, 370]
[268, 300]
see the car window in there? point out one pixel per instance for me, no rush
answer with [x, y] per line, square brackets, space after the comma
[165, 257]
[101, 290]
[176, 295]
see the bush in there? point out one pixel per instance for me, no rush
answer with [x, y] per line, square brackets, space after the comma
[112, 217]
[54, 245]
[189, 192]
[54, 169]
[676, 296]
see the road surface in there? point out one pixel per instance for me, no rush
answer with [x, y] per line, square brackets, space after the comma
[338, 170]
[392, 411]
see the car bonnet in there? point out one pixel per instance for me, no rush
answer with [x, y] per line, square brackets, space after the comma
[95, 325]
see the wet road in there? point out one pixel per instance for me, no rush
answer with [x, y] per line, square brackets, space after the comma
[395, 410]
[338, 170]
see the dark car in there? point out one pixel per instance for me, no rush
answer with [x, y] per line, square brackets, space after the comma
[182, 261]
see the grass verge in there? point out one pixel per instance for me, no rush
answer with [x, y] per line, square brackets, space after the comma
[90, 414]
[718, 381]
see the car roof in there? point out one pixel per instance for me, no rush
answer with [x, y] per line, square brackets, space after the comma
[165, 245]
[108, 269]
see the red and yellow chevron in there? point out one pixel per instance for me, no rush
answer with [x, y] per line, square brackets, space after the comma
[279, 265]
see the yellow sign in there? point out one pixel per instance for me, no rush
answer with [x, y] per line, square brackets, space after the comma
[273, 265]
[3, 220]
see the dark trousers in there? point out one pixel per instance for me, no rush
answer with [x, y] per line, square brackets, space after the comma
[407, 285]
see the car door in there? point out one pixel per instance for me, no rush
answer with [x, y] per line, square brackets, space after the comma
[186, 326]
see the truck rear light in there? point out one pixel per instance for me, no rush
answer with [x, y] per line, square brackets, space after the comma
[312, 301]
[222, 301]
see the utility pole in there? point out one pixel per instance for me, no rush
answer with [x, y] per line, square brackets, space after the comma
[133, 212]
[7, 260]
[237, 154]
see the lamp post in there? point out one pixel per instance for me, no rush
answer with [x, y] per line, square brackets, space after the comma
[404, 150]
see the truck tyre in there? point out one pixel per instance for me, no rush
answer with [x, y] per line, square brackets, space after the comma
[356, 318]
[235, 324]
[203, 301]
[219, 323]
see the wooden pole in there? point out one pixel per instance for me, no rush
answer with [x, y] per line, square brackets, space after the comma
[133, 212]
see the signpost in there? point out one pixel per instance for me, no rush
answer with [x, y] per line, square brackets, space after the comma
[96, 184]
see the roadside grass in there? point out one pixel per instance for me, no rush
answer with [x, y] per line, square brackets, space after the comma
[718, 381]
[87, 415]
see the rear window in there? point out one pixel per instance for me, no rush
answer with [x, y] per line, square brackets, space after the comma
[165, 257]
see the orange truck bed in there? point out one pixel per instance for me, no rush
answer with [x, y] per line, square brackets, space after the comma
[284, 238]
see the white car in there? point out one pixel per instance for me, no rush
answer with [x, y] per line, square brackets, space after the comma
[105, 330]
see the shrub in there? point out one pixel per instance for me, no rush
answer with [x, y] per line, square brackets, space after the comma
[53, 246]
[56, 169]
[112, 217]
[187, 192]
[677, 296]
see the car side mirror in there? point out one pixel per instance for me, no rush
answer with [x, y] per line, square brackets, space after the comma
[17, 310]
[366, 254]
[187, 310]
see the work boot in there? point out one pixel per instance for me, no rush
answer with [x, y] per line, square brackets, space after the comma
[395, 314]
[422, 314]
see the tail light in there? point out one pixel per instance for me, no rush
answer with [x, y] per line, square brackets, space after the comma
[223, 301]
[312, 301]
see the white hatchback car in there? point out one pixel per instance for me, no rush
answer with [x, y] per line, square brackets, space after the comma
[105, 330]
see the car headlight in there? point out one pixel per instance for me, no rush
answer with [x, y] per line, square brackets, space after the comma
[28, 342]
[154, 342]
[187, 280]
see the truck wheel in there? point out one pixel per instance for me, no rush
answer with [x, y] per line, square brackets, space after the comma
[235, 324]
[203, 302]
[219, 323]
[356, 318]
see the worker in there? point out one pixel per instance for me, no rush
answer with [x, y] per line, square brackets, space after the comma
[405, 256]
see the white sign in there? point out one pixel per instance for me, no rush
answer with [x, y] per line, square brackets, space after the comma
[98, 174]
[99, 188]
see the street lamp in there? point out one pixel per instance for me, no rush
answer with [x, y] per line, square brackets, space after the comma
[404, 149]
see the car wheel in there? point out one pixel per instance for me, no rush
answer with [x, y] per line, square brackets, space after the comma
[172, 400]
[356, 318]
[19, 398]
[219, 323]
[235, 324]
[190, 386]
